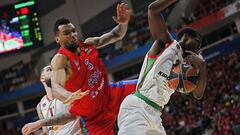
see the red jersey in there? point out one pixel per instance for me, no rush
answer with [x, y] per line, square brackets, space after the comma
[88, 73]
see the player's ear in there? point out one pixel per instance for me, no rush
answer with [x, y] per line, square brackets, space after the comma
[57, 39]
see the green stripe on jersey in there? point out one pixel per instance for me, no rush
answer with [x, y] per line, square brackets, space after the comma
[150, 62]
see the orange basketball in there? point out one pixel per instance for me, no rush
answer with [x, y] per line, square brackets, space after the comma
[183, 78]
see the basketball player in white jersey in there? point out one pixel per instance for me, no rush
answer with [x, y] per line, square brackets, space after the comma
[140, 112]
[50, 106]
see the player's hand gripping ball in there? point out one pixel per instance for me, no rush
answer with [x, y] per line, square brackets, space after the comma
[183, 78]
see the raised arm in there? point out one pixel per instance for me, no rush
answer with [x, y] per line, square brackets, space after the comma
[157, 25]
[58, 79]
[118, 32]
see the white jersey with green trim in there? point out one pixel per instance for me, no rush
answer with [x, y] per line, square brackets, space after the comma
[50, 108]
[155, 71]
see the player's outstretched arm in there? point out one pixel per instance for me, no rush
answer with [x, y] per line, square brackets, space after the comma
[157, 25]
[200, 63]
[118, 32]
[60, 119]
[58, 79]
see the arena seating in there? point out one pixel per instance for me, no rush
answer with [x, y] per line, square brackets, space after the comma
[18, 76]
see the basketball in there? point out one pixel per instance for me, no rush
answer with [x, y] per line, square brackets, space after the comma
[183, 78]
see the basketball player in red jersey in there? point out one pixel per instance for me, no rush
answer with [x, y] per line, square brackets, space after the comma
[79, 77]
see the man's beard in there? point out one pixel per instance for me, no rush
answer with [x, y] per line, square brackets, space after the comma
[48, 82]
[72, 48]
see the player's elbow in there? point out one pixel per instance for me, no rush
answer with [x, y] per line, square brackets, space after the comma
[151, 9]
[154, 9]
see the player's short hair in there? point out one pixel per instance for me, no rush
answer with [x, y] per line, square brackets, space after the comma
[190, 31]
[59, 22]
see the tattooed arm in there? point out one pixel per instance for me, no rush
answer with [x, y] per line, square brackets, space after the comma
[113, 36]
[118, 32]
[60, 119]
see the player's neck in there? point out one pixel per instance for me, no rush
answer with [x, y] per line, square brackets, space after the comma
[49, 94]
[73, 49]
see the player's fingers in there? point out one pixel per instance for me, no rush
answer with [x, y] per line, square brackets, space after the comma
[125, 7]
[125, 11]
[115, 19]
[80, 93]
[164, 82]
[188, 57]
[191, 52]
[66, 101]
[85, 93]
[121, 7]
[28, 132]
[165, 85]
[24, 130]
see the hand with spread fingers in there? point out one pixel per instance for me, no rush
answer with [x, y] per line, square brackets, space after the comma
[194, 59]
[123, 14]
[31, 127]
[76, 95]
